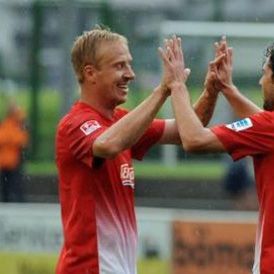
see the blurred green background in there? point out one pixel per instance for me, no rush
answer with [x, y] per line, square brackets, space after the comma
[49, 115]
[35, 64]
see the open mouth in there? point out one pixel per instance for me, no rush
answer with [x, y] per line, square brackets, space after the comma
[123, 87]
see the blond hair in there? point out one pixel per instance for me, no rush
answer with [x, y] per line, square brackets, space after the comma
[85, 47]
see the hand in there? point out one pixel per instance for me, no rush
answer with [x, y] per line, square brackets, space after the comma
[224, 69]
[174, 71]
[212, 83]
[219, 74]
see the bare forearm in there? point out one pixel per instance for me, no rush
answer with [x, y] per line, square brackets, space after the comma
[205, 105]
[203, 108]
[189, 126]
[195, 138]
[241, 105]
[130, 128]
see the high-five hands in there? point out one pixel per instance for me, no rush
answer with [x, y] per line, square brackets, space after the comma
[174, 71]
[219, 75]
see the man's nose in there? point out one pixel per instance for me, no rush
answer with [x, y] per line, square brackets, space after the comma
[130, 73]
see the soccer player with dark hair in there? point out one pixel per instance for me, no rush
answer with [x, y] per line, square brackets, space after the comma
[252, 135]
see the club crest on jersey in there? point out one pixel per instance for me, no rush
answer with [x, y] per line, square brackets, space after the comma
[127, 175]
[90, 126]
[240, 125]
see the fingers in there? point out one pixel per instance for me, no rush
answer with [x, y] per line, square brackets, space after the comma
[172, 50]
[175, 46]
[225, 48]
[212, 68]
[180, 52]
[218, 60]
[171, 53]
[218, 51]
[221, 47]
[230, 55]
[168, 49]
[167, 44]
[167, 53]
[187, 72]
[172, 56]
[180, 45]
[164, 56]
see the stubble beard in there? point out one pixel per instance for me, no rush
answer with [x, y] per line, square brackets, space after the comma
[268, 105]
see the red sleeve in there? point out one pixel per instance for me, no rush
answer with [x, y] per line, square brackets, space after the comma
[80, 135]
[248, 137]
[149, 138]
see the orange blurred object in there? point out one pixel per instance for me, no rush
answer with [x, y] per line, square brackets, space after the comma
[13, 138]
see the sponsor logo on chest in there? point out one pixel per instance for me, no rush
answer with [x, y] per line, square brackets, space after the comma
[127, 175]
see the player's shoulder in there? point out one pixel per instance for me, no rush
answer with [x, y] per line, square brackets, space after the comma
[258, 120]
[264, 117]
[77, 115]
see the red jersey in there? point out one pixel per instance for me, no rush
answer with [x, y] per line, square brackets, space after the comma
[96, 195]
[254, 136]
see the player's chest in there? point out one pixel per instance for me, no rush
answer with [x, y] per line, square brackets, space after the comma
[121, 170]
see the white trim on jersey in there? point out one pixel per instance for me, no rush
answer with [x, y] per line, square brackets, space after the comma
[258, 246]
[117, 244]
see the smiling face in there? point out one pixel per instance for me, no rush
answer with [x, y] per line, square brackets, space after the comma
[113, 72]
[267, 84]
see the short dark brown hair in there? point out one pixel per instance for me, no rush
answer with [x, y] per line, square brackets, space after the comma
[269, 54]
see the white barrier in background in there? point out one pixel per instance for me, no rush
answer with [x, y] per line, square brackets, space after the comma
[37, 227]
[30, 227]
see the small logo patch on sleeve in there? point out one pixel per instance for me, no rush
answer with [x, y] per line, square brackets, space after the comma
[90, 126]
[240, 125]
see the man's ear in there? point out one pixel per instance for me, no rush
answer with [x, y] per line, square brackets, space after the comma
[90, 73]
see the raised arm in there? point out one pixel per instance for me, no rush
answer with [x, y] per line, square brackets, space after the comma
[203, 107]
[194, 136]
[192, 133]
[125, 133]
[241, 105]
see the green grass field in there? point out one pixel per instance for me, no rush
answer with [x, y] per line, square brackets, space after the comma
[210, 170]
[32, 263]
